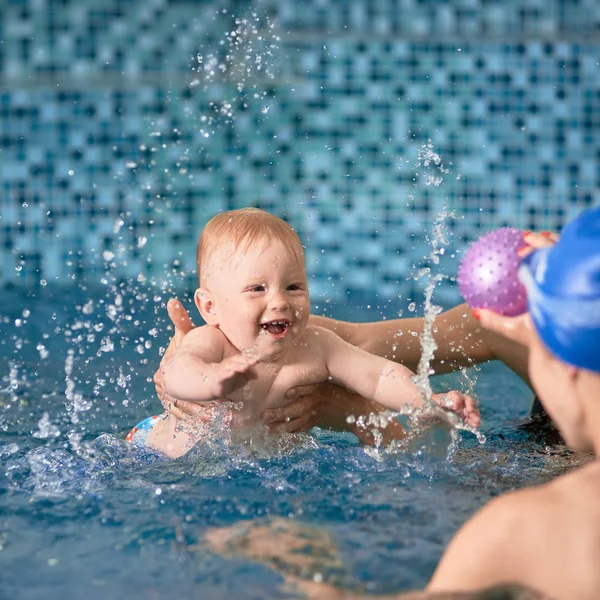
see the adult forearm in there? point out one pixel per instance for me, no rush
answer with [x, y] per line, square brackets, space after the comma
[342, 410]
[397, 340]
[460, 339]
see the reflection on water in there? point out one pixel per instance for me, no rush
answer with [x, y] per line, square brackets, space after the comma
[302, 553]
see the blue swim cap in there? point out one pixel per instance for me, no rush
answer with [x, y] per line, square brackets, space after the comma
[563, 292]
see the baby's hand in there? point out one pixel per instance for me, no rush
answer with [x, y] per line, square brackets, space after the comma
[460, 404]
[233, 373]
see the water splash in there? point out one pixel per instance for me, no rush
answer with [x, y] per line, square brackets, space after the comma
[246, 58]
[432, 161]
[441, 236]
[433, 171]
[46, 429]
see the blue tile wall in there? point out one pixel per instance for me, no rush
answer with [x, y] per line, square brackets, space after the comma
[126, 124]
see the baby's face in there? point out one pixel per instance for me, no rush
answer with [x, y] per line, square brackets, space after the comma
[261, 296]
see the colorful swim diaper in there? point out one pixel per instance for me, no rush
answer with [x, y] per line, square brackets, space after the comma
[138, 435]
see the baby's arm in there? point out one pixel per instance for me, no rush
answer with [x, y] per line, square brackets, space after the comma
[197, 371]
[384, 381]
[460, 340]
[371, 376]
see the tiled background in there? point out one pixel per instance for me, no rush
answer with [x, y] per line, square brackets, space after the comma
[126, 124]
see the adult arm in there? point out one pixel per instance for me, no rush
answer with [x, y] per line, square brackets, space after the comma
[461, 341]
[383, 381]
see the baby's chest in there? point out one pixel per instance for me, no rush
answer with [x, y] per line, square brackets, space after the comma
[306, 372]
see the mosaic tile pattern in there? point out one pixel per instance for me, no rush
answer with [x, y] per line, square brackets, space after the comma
[125, 125]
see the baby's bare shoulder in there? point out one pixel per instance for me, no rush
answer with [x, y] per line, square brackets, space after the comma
[316, 335]
[206, 339]
[316, 342]
[204, 332]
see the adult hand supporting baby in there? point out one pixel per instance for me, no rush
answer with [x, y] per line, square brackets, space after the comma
[330, 406]
[183, 325]
[301, 414]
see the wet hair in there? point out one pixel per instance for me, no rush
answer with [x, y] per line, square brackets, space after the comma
[243, 227]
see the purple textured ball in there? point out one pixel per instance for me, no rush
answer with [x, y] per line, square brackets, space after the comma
[488, 273]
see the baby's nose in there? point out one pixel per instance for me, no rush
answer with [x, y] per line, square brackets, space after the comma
[279, 300]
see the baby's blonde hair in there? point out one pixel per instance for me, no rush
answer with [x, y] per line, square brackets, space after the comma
[241, 228]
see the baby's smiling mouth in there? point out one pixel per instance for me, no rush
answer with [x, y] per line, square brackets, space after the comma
[276, 327]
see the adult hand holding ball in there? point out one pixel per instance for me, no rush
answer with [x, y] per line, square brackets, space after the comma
[488, 273]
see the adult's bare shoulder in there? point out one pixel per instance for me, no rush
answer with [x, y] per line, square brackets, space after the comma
[576, 496]
[546, 537]
[495, 545]
[568, 535]
[585, 480]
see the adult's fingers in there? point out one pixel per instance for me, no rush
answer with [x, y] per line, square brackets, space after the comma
[190, 409]
[517, 329]
[160, 390]
[300, 390]
[180, 318]
[181, 409]
[535, 241]
[182, 323]
[302, 423]
[173, 409]
[169, 403]
[542, 239]
[293, 410]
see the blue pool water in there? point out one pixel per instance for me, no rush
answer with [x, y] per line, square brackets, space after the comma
[86, 515]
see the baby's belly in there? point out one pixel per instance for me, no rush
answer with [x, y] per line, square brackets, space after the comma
[250, 402]
[248, 415]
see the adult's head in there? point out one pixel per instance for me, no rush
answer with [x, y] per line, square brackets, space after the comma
[562, 328]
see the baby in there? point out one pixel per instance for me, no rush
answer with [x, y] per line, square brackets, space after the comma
[257, 344]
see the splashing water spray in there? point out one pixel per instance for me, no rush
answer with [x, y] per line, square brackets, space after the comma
[440, 240]
[434, 170]
[246, 58]
[441, 234]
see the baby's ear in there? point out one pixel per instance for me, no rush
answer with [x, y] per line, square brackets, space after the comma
[206, 305]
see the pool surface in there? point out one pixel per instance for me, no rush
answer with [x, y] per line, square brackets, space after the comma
[86, 515]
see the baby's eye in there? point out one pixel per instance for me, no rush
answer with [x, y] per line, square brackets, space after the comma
[257, 288]
[294, 287]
